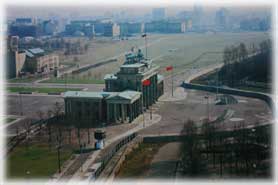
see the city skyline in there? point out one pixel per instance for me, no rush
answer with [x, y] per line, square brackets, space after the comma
[72, 12]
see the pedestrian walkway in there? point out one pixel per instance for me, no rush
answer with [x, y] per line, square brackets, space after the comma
[178, 95]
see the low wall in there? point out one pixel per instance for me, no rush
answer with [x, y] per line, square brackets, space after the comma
[267, 98]
[129, 148]
[87, 67]
[163, 138]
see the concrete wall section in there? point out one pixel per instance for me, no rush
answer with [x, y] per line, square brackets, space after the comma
[265, 97]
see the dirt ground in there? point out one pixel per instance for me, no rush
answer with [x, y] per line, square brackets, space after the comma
[164, 161]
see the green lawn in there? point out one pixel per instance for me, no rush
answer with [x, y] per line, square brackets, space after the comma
[40, 89]
[38, 160]
[74, 81]
[8, 120]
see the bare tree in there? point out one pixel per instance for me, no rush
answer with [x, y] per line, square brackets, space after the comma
[191, 159]
[49, 115]
[40, 115]
[226, 56]
[242, 51]
[27, 126]
[208, 131]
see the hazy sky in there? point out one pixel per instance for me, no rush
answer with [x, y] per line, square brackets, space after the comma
[81, 11]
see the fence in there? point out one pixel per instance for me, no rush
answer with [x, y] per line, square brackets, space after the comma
[110, 154]
[85, 68]
[34, 127]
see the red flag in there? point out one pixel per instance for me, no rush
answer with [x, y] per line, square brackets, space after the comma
[146, 82]
[169, 68]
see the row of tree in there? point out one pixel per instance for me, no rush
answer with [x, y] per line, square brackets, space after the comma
[239, 53]
[241, 152]
[241, 64]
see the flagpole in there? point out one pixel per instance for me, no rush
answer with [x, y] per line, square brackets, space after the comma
[172, 84]
[146, 45]
[143, 109]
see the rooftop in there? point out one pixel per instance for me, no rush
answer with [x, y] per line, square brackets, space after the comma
[36, 50]
[128, 94]
[86, 94]
[135, 65]
[110, 77]
[33, 52]
[160, 78]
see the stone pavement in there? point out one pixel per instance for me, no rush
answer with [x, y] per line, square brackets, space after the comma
[179, 94]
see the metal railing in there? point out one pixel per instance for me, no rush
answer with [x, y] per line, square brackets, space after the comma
[111, 153]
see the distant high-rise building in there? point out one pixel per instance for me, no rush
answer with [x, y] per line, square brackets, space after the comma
[24, 21]
[15, 58]
[166, 26]
[111, 30]
[127, 29]
[24, 27]
[184, 15]
[158, 14]
[24, 30]
[221, 18]
[50, 27]
[80, 27]
[197, 16]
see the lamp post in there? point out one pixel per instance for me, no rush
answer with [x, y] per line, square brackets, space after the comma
[145, 36]
[146, 83]
[59, 158]
[170, 68]
[58, 153]
[81, 153]
[172, 83]
[28, 174]
[207, 98]
[21, 107]
[142, 107]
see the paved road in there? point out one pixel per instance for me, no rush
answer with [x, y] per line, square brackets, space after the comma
[29, 107]
[89, 87]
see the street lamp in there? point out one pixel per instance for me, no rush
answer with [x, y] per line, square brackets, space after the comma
[58, 147]
[207, 98]
[146, 83]
[82, 147]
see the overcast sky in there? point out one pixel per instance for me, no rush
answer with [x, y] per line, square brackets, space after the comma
[82, 11]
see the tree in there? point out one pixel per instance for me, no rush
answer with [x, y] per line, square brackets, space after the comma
[57, 109]
[208, 131]
[191, 158]
[226, 56]
[242, 51]
[40, 115]
[27, 126]
[59, 117]
[48, 124]
[69, 121]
